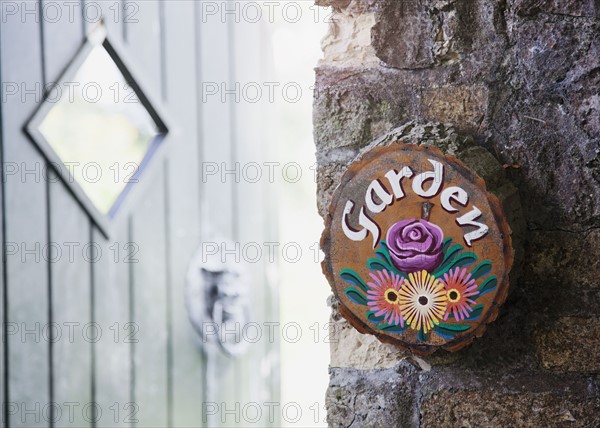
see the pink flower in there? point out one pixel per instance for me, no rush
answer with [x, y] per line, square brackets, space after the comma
[383, 296]
[459, 288]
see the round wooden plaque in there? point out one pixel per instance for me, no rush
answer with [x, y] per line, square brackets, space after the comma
[416, 250]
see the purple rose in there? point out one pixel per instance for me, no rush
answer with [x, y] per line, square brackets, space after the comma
[415, 244]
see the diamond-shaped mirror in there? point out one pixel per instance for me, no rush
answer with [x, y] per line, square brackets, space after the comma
[97, 128]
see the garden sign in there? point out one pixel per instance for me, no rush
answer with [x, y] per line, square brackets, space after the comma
[416, 250]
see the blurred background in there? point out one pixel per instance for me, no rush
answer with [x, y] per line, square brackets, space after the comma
[296, 51]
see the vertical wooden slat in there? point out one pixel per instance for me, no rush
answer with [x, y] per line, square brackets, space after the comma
[3, 319]
[216, 127]
[249, 143]
[69, 236]
[26, 222]
[111, 313]
[253, 194]
[149, 275]
[71, 307]
[218, 180]
[143, 36]
[182, 200]
[63, 36]
[150, 314]
[110, 276]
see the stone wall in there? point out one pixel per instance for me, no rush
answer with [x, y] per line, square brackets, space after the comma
[523, 78]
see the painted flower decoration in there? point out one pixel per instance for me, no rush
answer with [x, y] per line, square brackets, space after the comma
[444, 300]
[460, 287]
[383, 296]
[422, 301]
[415, 245]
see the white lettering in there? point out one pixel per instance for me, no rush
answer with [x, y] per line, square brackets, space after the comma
[437, 176]
[395, 179]
[363, 220]
[385, 198]
[468, 220]
[453, 193]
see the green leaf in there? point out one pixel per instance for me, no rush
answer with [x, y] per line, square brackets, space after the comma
[378, 264]
[475, 313]
[356, 296]
[454, 327]
[465, 259]
[384, 252]
[445, 244]
[421, 336]
[448, 331]
[487, 286]
[449, 256]
[353, 278]
[482, 269]
[398, 329]
[384, 245]
[374, 318]
[383, 255]
[385, 261]
[452, 252]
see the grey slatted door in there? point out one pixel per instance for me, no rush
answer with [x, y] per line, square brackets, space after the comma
[233, 137]
[147, 368]
[26, 228]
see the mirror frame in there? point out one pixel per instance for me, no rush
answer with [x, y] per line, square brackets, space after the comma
[98, 36]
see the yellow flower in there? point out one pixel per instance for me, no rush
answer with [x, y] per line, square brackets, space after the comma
[423, 301]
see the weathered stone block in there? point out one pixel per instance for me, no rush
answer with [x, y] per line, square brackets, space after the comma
[570, 344]
[583, 82]
[545, 52]
[544, 115]
[353, 107]
[464, 106]
[328, 177]
[337, 4]
[561, 278]
[431, 33]
[351, 349]
[559, 7]
[405, 34]
[379, 398]
[354, 6]
[568, 259]
[348, 42]
[486, 408]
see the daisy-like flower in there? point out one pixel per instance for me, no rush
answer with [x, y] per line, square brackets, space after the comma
[459, 288]
[422, 300]
[383, 296]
